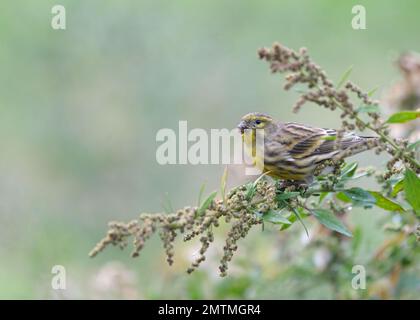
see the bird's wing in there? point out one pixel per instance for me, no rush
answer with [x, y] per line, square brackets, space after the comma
[275, 151]
[308, 141]
[302, 141]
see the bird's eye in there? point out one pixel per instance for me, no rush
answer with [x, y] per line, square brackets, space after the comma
[258, 121]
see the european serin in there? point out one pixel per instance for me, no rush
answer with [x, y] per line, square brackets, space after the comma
[293, 151]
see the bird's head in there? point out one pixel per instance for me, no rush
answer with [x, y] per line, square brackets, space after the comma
[254, 120]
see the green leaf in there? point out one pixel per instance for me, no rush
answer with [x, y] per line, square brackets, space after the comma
[368, 108]
[200, 194]
[362, 174]
[372, 92]
[322, 196]
[360, 196]
[206, 203]
[412, 190]
[403, 116]
[397, 188]
[342, 196]
[287, 195]
[329, 220]
[329, 138]
[275, 217]
[299, 218]
[349, 170]
[385, 203]
[252, 187]
[292, 219]
[250, 191]
[414, 145]
[223, 185]
[344, 77]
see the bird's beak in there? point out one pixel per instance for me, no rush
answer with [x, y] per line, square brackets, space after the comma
[242, 126]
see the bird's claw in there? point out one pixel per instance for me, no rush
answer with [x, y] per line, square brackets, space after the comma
[291, 185]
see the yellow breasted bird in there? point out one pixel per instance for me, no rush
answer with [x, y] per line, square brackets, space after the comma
[292, 151]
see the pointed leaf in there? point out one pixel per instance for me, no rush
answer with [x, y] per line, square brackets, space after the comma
[349, 170]
[223, 185]
[403, 116]
[412, 190]
[360, 196]
[322, 196]
[300, 219]
[275, 217]
[399, 186]
[329, 220]
[292, 219]
[385, 203]
[344, 77]
[343, 197]
[372, 92]
[206, 203]
[287, 195]
[252, 187]
[414, 145]
[250, 191]
[200, 194]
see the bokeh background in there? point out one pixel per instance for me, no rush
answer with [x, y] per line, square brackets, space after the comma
[79, 112]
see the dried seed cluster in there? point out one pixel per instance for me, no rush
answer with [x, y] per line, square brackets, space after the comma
[240, 210]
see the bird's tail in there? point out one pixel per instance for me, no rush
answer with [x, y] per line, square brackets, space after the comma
[359, 145]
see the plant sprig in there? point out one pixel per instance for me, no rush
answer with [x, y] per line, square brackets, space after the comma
[284, 203]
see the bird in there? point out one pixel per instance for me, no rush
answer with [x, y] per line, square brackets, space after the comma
[293, 151]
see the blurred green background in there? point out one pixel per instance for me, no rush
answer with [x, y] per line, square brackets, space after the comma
[79, 112]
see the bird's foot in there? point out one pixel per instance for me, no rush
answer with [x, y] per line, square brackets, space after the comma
[291, 185]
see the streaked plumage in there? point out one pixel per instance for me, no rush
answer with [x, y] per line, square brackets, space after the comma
[292, 151]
